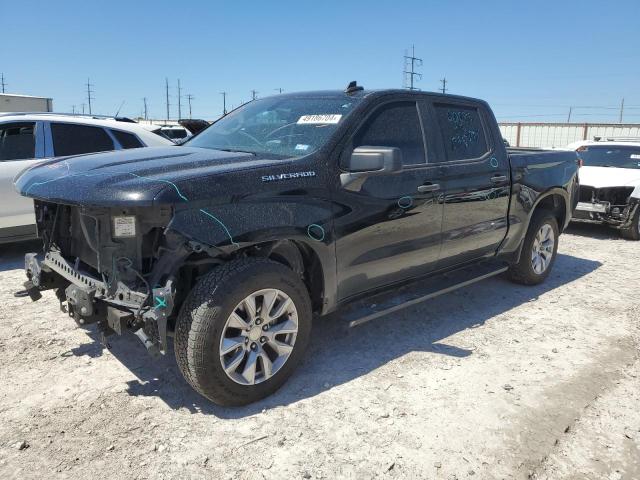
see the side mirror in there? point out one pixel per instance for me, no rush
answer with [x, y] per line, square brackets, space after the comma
[375, 160]
[367, 161]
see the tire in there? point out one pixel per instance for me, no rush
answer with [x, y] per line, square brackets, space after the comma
[524, 272]
[206, 316]
[633, 232]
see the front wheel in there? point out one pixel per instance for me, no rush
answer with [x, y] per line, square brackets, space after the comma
[633, 231]
[539, 250]
[242, 331]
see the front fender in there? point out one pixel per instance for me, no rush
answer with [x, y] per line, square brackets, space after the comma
[237, 226]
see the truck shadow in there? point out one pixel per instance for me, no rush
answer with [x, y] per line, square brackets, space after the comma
[338, 354]
[593, 230]
[12, 254]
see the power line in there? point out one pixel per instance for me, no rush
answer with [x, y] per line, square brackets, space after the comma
[2, 82]
[89, 92]
[603, 107]
[444, 85]
[410, 64]
[565, 114]
[189, 98]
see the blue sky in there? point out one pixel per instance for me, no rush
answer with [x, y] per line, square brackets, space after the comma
[531, 60]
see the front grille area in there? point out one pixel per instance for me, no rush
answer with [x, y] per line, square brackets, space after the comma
[613, 195]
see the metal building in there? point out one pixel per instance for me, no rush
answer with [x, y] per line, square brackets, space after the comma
[24, 103]
[554, 135]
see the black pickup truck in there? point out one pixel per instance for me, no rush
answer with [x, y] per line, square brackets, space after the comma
[289, 207]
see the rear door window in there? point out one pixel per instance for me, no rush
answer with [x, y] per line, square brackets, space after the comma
[394, 125]
[127, 140]
[72, 139]
[17, 141]
[462, 131]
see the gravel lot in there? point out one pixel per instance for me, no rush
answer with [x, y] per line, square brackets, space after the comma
[494, 381]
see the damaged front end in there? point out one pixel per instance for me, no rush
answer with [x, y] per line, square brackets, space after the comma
[117, 267]
[612, 205]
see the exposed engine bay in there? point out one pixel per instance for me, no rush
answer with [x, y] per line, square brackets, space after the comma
[118, 267]
[610, 205]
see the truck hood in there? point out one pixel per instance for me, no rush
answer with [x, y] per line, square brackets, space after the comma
[132, 177]
[602, 177]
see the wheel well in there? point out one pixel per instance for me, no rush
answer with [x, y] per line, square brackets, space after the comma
[302, 260]
[556, 204]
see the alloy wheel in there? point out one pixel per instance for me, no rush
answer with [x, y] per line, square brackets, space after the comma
[543, 247]
[259, 336]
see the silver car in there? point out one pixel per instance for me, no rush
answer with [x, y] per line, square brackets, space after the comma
[26, 139]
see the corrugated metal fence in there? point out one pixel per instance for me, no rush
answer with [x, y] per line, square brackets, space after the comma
[548, 135]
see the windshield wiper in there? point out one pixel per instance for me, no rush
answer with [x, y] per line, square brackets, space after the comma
[235, 150]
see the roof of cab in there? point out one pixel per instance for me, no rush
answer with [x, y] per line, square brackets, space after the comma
[375, 93]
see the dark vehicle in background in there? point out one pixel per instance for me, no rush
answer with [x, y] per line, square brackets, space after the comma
[175, 133]
[289, 207]
[194, 125]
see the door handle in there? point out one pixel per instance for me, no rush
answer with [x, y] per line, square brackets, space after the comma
[429, 187]
[499, 178]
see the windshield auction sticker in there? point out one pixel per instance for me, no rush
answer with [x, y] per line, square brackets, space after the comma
[319, 119]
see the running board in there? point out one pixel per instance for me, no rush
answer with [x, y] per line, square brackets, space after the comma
[371, 308]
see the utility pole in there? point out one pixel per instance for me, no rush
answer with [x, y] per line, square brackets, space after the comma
[410, 64]
[73, 109]
[279, 90]
[621, 109]
[89, 92]
[569, 117]
[166, 82]
[224, 102]
[179, 102]
[444, 85]
[2, 81]
[146, 112]
[254, 94]
[189, 98]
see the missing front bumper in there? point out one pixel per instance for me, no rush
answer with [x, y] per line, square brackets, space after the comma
[617, 216]
[115, 308]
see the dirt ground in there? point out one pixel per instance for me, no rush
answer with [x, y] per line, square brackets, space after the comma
[494, 381]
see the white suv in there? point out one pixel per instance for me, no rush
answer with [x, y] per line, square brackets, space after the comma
[610, 184]
[32, 137]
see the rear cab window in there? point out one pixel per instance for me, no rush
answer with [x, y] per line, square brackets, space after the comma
[462, 130]
[17, 141]
[73, 139]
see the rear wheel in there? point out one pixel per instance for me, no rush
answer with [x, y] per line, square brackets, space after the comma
[633, 232]
[242, 331]
[539, 250]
